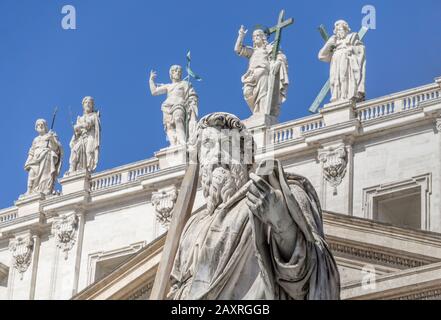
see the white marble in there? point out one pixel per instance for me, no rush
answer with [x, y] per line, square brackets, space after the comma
[44, 160]
[346, 54]
[255, 239]
[85, 142]
[392, 145]
[180, 108]
[261, 70]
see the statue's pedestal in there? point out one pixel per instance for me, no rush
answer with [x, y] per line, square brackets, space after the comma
[29, 204]
[172, 156]
[75, 182]
[259, 120]
[338, 112]
[258, 124]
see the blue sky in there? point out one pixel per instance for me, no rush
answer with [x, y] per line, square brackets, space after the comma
[116, 43]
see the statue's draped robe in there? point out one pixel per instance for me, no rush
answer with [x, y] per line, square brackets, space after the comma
[44, 162]
[255, 80]
[230, 254]
[347, 73]
[85, 147]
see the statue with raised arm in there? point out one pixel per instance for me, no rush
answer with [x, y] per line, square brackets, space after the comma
[180, 108]
[85, 142]
[44, 160]
[259, 234]
[261, 66]
[346, 54]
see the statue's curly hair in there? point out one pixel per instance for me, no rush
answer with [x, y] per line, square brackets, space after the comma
[224, 121]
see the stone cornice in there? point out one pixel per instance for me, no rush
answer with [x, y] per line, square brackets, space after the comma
[380, 228]
[36, 223]
[430, 294]
[403, 284]
[377, 255]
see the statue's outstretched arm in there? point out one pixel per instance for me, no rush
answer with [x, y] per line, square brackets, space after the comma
[239, 48]
[154, 89]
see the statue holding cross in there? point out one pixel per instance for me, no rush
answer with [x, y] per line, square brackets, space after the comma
[345, 52]
[265, 83]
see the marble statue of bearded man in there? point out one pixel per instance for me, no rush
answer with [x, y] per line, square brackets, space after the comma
[261, 64]
[346, 53]
[44, 160]
[85, 142]
[259, 236]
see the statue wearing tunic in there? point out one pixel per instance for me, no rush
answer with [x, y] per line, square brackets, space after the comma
[44, 160]
[85, 142]
[180, 108]
[258, 236]
[261, 64]
[346, 53]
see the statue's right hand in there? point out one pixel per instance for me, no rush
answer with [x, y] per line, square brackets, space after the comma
[242, 31]
[152, 75]
[333, 41]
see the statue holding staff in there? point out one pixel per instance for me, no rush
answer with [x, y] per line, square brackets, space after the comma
[259, 234]
[44, 160]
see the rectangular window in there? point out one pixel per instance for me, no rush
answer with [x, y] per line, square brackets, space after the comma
[401, 209]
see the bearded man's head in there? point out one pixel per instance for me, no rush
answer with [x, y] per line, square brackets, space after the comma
[226, 155]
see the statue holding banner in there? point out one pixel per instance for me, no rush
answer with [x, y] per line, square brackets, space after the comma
[346, 53]
[180, 108]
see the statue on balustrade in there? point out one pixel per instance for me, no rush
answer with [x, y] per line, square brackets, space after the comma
[180, 108]
[346, 54]
[263, 71]
[85, 142]
[44, 160]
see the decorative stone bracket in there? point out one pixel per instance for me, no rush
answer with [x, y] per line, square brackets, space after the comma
[164, 200]
[64, 229]
[334, 161]
[438, 124]
[21, 248]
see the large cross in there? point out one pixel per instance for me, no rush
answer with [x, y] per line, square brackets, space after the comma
[277, 29]
[325, 89]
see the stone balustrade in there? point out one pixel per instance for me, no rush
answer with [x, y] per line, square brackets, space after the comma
[122, 175]
[8, 214]
[364, 111]
[294, 129]
[398, 102]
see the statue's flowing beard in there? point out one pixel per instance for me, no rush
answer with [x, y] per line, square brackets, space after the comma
[221, 182]
[341, 35]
